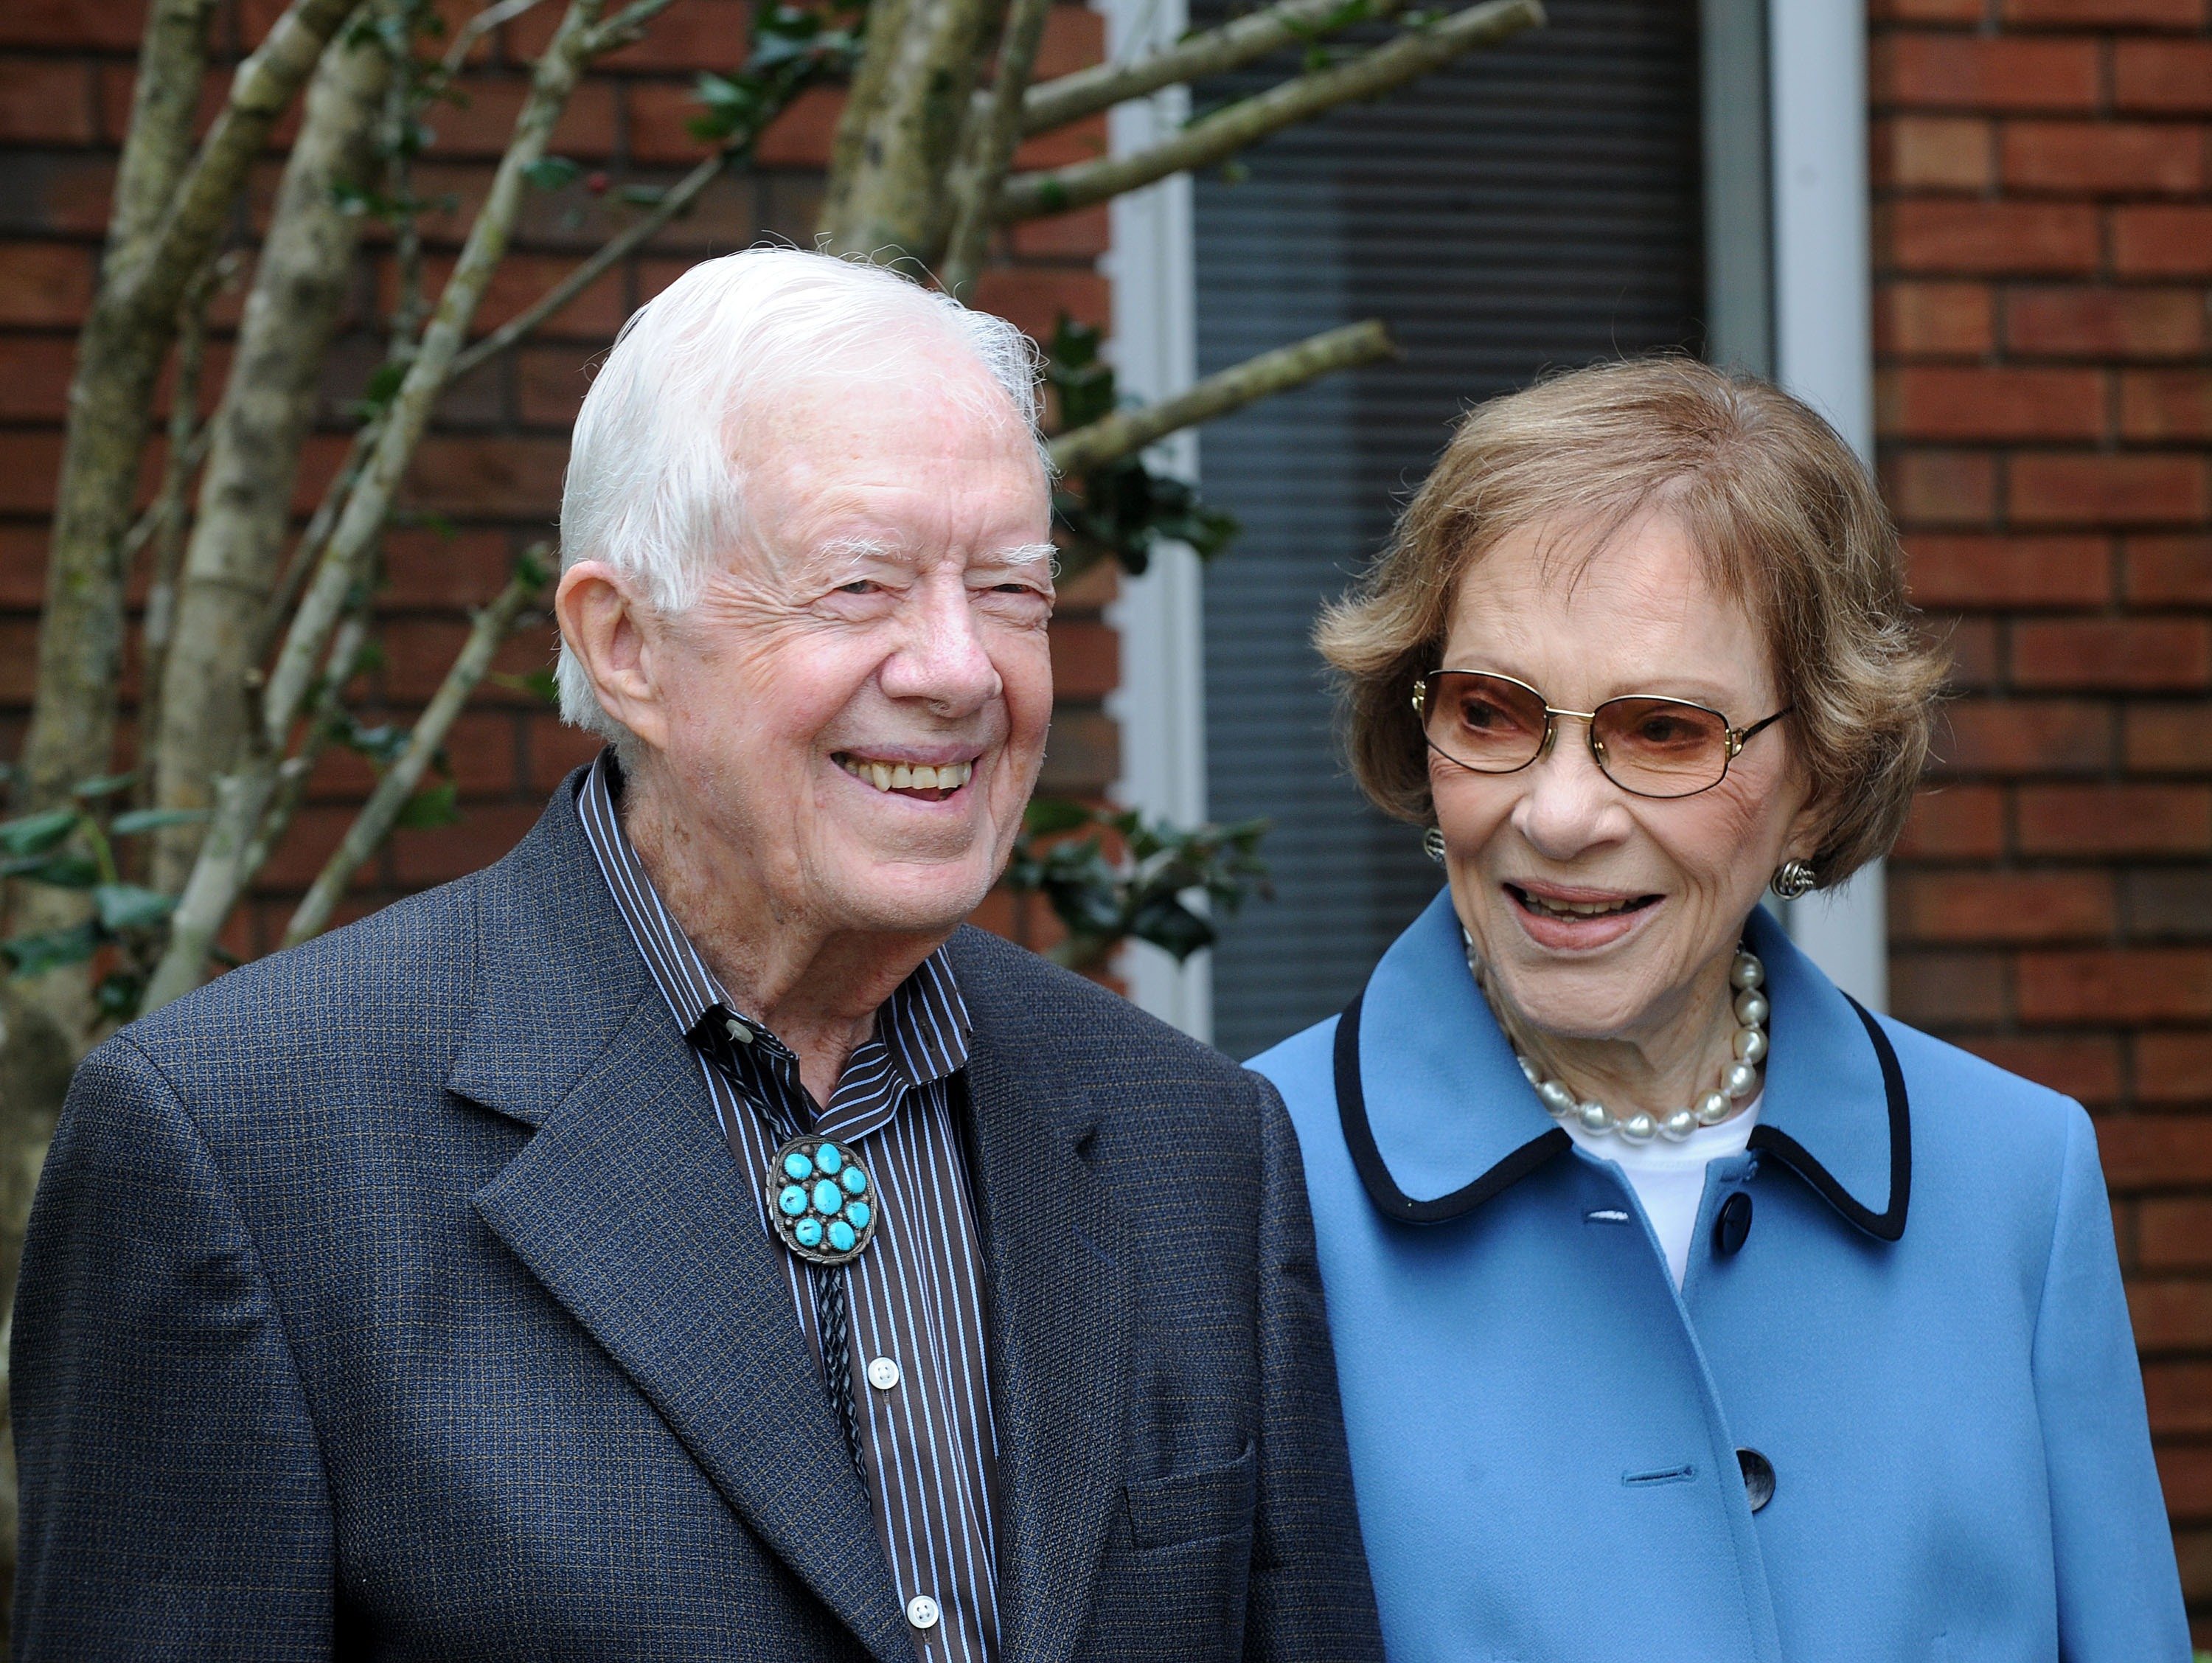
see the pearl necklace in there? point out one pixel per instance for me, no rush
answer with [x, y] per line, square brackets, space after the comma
[1738, 1080]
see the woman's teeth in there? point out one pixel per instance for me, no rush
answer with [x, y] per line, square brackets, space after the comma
[1575, 909]
[906, 777]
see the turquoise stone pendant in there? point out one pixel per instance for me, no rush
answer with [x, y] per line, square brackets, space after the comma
[821, 1201]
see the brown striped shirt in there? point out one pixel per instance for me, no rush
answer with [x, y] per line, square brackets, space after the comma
[928, 1449]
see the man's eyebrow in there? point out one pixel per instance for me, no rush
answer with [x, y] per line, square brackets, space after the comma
[1030, 554]
[856, 548]
[839, 554]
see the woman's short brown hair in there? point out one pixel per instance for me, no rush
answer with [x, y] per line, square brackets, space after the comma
[1783, 513]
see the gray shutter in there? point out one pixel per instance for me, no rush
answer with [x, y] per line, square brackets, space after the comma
[1534, 207]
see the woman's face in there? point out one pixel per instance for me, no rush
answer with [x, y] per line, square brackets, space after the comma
[1599, 914]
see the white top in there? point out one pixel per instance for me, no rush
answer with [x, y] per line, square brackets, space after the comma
[1669, 1178]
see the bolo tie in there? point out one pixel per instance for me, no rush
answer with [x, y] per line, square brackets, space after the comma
[824, 1208]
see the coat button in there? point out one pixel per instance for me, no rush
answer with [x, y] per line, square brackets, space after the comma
[1733, 1225]
[1758, 1478]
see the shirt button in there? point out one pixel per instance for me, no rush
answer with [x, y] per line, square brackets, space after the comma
[740, 1032]
[884, 1374]
[921, 1611]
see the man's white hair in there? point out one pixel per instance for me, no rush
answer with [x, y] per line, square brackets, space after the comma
[654, 486]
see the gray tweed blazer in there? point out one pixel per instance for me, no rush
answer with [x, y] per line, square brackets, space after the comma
[397, 1297]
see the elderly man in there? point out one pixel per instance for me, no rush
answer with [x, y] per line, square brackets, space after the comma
[684, 1239]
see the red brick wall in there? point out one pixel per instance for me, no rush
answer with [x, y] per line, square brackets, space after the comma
[2042, 239]
[492, 466]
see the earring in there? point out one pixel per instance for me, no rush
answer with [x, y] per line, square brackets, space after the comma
[1432, 844]
[1793, 878]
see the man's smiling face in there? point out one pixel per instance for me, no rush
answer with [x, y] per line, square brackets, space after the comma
[855, 709]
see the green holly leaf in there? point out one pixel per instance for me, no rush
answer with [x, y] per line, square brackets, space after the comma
[538, 684]
[35, 955]
[433, 805]
[129, 906]
[62, 871]
[1166, 922]
[530, 567]
[553, 172]
[1045, 816]
[381, 744]
[732, 106]
[119, 994]
[33, 834]
[153, 820]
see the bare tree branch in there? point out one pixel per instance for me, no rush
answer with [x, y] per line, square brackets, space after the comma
[681, 195]
[118, 358]
[865, 99]
[476, 28]
[1240, 41]
[132, 322]
[80, 635]
[625, 28]
[254, 805]
[1128, 431]
[776, 95]
[371, 499]
[219, 875]
[297, 770]
[170, 509]
[886, 198]
[1221, 135]
[158, 144]
[307, 552]
[36, 1060]
[261, 91]
[373, 824]
[987, 148]
[300, 288]
[156, 513]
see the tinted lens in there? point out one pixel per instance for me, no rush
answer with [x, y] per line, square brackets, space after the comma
[1660, 748]
[1483, 723]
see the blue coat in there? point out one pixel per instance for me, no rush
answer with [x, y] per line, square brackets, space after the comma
[1924, 1332]
[397, 1298]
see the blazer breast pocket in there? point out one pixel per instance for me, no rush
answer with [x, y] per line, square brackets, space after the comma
[1191, 1505]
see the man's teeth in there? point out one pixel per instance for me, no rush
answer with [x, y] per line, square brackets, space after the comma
[1575, 909]
[905, 777]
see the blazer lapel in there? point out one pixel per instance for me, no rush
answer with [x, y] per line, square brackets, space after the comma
[1059, 1308]
[625, 1204]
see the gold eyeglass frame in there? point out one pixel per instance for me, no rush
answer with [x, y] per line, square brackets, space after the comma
[1736, 738]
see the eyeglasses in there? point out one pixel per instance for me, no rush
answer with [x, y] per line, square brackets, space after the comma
[1648, 746]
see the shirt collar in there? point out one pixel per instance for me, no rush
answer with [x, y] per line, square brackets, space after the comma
[924, 1025]
[1439, 1118]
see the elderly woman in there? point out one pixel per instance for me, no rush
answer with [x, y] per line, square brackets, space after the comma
[1683, 1309]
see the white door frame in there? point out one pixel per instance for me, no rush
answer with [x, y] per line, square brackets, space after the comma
[1161, 702]
[1823, 315]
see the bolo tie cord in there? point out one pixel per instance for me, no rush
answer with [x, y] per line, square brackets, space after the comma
[832, 1317]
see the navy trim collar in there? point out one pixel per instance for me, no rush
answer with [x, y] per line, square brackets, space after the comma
[1886, 1226]
[1367, 1160]
[1393, 1203]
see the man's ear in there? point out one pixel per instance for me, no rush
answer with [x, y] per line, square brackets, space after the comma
[615, 635]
